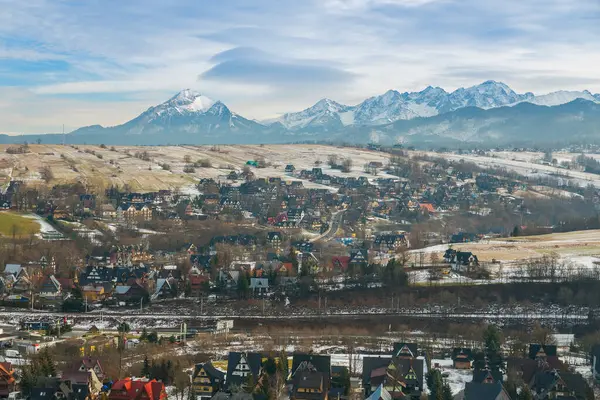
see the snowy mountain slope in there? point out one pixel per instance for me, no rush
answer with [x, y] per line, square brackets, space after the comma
[490, 111]
[392, 106]
[323, 114]
[561, 97]
[187, 112]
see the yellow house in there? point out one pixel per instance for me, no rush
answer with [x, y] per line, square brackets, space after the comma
[93, 292]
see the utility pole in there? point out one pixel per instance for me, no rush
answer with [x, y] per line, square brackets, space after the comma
[201, 305]
[86, 304]
[142, 304]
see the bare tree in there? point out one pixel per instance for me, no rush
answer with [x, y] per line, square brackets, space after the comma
[346, 165]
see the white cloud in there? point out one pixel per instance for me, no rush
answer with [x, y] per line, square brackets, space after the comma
[149, 50]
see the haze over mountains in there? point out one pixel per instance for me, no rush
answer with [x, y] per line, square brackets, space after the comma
[490, 112]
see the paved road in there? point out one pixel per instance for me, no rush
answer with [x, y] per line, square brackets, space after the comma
[336, 222]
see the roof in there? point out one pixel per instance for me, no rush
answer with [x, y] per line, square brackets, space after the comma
[482, 391]
[14, 269]
[122, 289]
[380, 394]
[253, 360]
[462, 354]
[541, 350]
[405, 349]
[303, 362]
[309, 379]
[210, 371]
[373, 363]
[258, 283]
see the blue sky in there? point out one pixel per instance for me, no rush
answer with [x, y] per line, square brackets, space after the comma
[105, 61]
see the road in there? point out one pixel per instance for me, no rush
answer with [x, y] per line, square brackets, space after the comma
[336, 222]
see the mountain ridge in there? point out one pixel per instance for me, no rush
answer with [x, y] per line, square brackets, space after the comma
[490, 111]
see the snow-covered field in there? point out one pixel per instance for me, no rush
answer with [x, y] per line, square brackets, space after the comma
[523, 163]
[121, 167]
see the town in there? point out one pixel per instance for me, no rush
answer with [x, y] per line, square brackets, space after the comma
[400, 240]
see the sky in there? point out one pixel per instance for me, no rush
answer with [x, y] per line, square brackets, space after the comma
[81, 63]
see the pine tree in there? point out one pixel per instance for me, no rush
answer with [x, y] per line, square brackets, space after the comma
[144, 335]
[146, 367]
[47, 365]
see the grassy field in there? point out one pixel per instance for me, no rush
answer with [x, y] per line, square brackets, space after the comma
[19, 225]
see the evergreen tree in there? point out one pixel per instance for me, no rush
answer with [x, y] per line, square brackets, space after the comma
[525, 393]
[152, 337]
[447, 392]
[146, 367]
[435, 385]
[243, 286]
[28, 379]
[47, 365]
[144, 335]
[491, 338]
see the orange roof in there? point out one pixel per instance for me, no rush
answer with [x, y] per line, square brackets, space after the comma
[427, 206]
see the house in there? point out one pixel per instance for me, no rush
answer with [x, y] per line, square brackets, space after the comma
[130, 293]
[405, 350]
[390, 242]
[358, 258]
[309, 385]
[7, 379]
[14, 269]
[340, 263]
[165, 288]
[461, 358]
[399, 376]
[51, 288]
[207, 381]
[240, 366]
[137, 389]
[295, 216]
[86, 370]
[107, 211]
[460, 260]
[259, 286]
[275, 239]
[96, 291]
[310, 363]
[485, 391]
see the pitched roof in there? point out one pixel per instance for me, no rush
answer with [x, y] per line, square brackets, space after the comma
[253, 360]
[209, 369]
[541, 350]
[380, 394]
[482, 391]
[370, 364]
[405, 349]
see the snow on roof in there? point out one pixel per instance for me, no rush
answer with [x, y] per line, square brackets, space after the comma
[122, 289]
[13, 269]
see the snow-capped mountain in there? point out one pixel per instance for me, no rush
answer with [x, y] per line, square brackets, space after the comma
[186, 113]
[326, 113]
[562, 97]
[489, 94]
[393, 106]
[190, 117]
